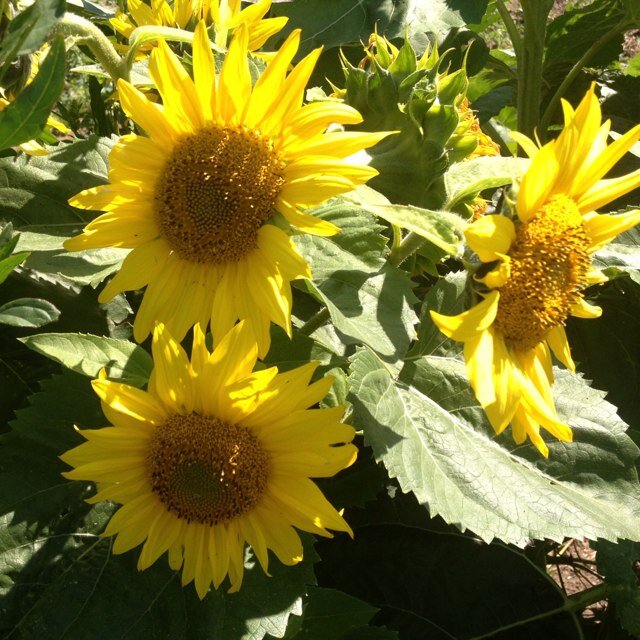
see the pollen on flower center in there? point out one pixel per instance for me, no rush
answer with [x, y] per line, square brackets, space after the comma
[205, 470]
[549, 264]
[218, 187]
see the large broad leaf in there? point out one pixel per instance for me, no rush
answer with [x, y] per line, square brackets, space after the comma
[34, 191]
[450, 295]
[87, 354]
[329, 613]
[621, 256]
[33, 196]
[333, 23]
[433, 582]
[467, 179]
[426, 430]
[575, 31]
[618, 564]
[28, 312]
[59, 578]
[337, 22]
[369, 301]
[27, 31]
[607, 349]
[25, 117]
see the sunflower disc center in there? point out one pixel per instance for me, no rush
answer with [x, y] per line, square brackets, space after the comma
[205, 470]
[549, 266]
[217, 189]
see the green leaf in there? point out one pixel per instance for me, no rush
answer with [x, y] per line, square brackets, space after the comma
[58, 577]
[27, 31]
[606, 349]
[288, 353]
[9, 264]
[34, 191]
[25, 117]
[333, 23]
[617, 562]
[91, 8]
[28, 312]
[424, 429]
[465, 180]
[621, 256]
[441, 228]
[575, 30]
[329, 613]
[369, 301]
[450, 295]
[33, 196]
[433, 582]
[87, 354]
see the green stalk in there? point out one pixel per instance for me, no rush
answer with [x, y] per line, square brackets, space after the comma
[315, 322]
[82, 31]
[512, 30]
[409, 245]
[152, 33]
[552, 107]
[530, 63]
[572, 604]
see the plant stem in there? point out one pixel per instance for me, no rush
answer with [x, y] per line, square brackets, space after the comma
[512, 30]
[578, 602]
[409, 245]
[83, 31]
[575, 71]
[315, 322]
[530, 61]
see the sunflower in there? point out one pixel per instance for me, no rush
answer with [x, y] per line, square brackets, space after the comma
[225, 15]
[195, 200]
[213, 456]
[470, 125]
[538, 267]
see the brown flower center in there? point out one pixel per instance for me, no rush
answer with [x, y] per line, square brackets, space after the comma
[218, 187]
[205, 470]
[549, 266]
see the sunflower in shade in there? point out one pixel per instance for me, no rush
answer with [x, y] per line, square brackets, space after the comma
[538, 267]
[214, 456]
[195, 200]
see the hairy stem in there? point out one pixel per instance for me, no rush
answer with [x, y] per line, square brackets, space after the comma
[409, 245]
[83, 31]
[512, 30]
[315, 322]
[530, 62]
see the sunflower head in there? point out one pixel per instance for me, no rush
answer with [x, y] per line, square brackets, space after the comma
[196, 197]
[213, 456]
[536, 270]
[395, 88]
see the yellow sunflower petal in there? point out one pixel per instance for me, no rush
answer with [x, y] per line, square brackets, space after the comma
[469, 324]
[179, 97]
[204, 70]
[583, 309]
[306, 222]
[603, 228]
[234, 88]
[608, 190]
[478, 355]
[490, 237]
[557, 340]
[147, 114]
